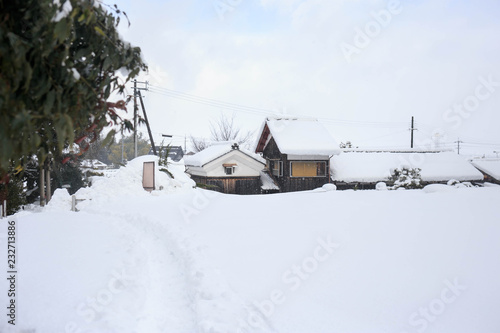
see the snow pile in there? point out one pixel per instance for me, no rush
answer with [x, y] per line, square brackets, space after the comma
[215, 151]
[267, 182]
[372, 167]
[128, 181]
[329, 187]
[60, 201]
[299, 136]
[490, 167]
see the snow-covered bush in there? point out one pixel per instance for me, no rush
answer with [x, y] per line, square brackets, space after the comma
[458, 184]
[329, 187]
[381, 186]
[405, 177]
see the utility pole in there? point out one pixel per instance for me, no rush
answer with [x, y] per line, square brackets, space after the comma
[458, 142]
[412, 129]
[135, 112]
[147, 124]
[135, 118]
[185, 140]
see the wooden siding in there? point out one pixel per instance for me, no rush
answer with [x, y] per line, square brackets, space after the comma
[292, 184]
[231, 185]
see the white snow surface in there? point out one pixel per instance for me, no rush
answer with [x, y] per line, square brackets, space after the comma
[267, 182]
[189, 260]
[376, 166]
[302, 136]
[489, 166]
[215, 151]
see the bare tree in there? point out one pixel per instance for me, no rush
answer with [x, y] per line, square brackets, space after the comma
[224, 129]
[198, 143]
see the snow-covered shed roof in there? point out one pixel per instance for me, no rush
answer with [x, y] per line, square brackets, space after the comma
[215, 151]
[93, 164]
[297, 136]
[490, 167]
[370, 167]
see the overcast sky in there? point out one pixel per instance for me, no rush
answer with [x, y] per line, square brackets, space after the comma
[362, 67]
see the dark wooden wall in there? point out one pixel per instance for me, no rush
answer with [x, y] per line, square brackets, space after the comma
[292, 184]
[231, 185]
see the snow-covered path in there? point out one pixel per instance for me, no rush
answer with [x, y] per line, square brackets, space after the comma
[184, 293]
[110, 270]
[160, 274]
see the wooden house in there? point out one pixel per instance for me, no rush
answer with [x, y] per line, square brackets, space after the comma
[297, 152]
[227, 168]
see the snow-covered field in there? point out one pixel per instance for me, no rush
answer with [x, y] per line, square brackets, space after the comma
[188, 260]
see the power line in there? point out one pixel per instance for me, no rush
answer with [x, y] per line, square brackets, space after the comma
[263, 112]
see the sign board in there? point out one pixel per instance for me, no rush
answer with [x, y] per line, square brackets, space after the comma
[148, 176]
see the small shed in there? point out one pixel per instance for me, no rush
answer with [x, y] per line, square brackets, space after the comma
[297, 152]
[489, 167]
[358, 168]
[227, 168]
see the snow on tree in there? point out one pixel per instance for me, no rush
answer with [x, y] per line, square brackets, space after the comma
[406, 177]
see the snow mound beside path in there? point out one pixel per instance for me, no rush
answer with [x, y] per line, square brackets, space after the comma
[128, 181]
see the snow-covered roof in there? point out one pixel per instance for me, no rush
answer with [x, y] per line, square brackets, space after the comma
[215, 151]
[490, 167]
[297, 136]
[373, 167]
[92, 164]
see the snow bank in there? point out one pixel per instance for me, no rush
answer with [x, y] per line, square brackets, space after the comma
[374, 167]
[128, 181]
[60, 201]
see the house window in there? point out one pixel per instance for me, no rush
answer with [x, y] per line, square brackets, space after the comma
[277, 168]
[307, 169]
[229, 169]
